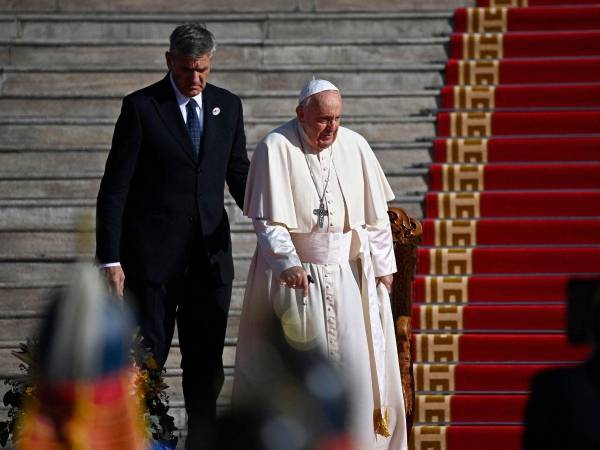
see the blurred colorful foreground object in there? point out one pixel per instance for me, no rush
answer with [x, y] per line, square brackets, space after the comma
[86, 395]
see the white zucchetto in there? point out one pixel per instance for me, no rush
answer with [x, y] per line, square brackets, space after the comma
[314, 87]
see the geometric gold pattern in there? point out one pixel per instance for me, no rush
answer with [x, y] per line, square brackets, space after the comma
[474, 97]
[435, 377]
[459, 205]
[466, 150]
[437, 348]
[479, 73]
[450, 261]
[446, 290]
[455, 233]
[433, 409]
[462, 177]
[471, 124]
[508, 3]
[483, 46]
[441, 318]
[428, 438]
[486, 20]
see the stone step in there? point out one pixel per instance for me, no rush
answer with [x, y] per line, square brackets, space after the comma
[50, 163]
[230, 6]
[42, 245]
[251, 51]
[23, 297]
[377, 103]
[20, 325]
[252, 81]
[72, 186]
[70, 214]
[98, 131]
[9, 364]
[127, 26]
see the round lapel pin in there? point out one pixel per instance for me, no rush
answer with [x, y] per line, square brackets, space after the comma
[216, 111]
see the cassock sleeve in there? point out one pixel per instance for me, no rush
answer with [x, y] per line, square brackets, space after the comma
[382, 249]
[276, 246]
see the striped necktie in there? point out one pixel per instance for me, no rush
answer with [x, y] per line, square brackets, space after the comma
[193, 125]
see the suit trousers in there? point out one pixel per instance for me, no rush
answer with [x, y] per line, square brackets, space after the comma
[200, 307]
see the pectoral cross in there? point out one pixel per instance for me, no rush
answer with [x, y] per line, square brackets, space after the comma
[321, 213]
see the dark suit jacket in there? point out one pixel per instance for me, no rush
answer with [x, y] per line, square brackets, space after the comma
[156, 199]
[564, 409]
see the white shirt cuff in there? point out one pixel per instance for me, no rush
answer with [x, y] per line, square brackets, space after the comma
[112, 264]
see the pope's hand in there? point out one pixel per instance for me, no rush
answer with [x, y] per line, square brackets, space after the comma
[295, 278]
[115, 277]
[386, 280]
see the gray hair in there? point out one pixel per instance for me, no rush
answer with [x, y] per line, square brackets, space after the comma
[192, 40]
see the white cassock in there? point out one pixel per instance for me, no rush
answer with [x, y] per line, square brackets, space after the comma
[347, 315]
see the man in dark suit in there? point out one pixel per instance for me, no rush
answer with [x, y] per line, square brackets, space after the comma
[563, 412]
[162, 230]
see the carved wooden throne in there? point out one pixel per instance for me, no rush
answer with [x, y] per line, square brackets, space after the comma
[406, 233]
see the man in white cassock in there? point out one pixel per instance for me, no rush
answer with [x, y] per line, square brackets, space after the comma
[317, 197]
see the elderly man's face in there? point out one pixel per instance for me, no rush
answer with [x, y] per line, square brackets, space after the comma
[189, 74]
[320, 118]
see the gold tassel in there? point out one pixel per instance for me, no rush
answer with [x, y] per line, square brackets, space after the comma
[381, 422]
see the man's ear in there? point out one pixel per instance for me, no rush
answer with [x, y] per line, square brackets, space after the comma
[169, 60]
[300, 113]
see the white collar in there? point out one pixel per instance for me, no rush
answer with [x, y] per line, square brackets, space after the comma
[182, 99]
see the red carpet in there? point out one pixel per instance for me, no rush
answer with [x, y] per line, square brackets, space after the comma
[507, 409]
[463, 177]
[523, 71]
[517, 149]
[564, 203]
[541, 231]
[521, 3]
[504, 260]
[480, 20]
[524, 44]
[511, 216]
[466, 437]
[495, 348]
[483, 124]
[507, 318]
[520, 96]
[492, 289]
[477, 378]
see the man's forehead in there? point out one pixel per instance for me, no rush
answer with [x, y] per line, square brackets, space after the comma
[195, 61]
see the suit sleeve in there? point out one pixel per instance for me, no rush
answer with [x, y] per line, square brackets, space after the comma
[114, 186]
[237, 168]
